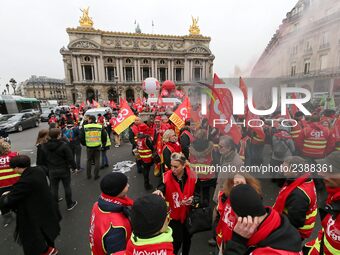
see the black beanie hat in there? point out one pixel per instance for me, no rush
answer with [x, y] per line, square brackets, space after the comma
[148, 215]
[113, 184]
[245, 201]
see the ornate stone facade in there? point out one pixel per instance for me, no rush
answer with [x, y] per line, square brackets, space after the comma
[305, 51]
[107, 65]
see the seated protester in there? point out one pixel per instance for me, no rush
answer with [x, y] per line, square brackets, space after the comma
[297, 199]
[259, 230]
[151, 234]
[110, 227]
[328, 239]
[179, 190]
[226, 217]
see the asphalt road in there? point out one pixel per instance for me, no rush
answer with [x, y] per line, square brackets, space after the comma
[74, 225]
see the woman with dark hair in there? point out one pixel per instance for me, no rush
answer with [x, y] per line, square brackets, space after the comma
[41, 139]
[178, 189]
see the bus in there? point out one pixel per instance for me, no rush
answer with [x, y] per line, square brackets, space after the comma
[16, 104]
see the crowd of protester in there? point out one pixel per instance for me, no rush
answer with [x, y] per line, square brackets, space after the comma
[241, 223]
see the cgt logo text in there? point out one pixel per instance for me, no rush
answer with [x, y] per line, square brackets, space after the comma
[239, 100]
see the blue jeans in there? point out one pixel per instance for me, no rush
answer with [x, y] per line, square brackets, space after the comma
[105, 160]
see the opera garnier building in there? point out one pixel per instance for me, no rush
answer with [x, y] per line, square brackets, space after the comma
[106, 65]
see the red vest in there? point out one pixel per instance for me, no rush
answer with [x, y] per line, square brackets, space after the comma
[152, 249]
[330, 233]
[7, 175]
[144, 151]
[173, 147]
[315, 141]
[186, 132]
[201, 166]
[308, 188]
[227, 222]
[134, 129]
[295, 131]
[174, 195]
[100, 224]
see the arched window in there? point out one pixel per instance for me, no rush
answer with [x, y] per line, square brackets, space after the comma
[87, 59]
[162, 61]
[112, 95]
[178, 62]
[197, 62]
[145, 61]
[90, 95]
[130, 95]
[109, 60]
[128, 61]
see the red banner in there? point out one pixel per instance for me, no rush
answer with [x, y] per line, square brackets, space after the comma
[223, 111]
[125, 117]
[181, 114]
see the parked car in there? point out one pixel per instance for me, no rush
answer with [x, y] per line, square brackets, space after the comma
[45, 113]
[95, 112]
[18, 122]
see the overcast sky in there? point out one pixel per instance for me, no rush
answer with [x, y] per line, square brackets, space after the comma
[32, 32]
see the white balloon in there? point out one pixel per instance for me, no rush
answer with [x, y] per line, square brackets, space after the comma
[151, 85]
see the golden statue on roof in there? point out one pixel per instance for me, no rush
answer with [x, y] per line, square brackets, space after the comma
[85, 20]
[194, 28]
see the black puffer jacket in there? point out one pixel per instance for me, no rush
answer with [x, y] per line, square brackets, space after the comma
[57, 157]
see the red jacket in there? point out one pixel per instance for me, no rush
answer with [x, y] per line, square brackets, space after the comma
[174, 195]
[7, 175]
[103, 221]
[53, 120]
[330, 232]
[315, 141]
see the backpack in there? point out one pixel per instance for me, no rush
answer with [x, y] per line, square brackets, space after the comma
[281, 147]
[69, 133]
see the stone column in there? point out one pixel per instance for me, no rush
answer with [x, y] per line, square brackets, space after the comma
[156, 71]
[101, 69]
[117, 69]
[81, 76]
[169, 69]
[95, 69]
[121, 75]
[74, 68]
[186, 70]
[139, 77]
[135, 70]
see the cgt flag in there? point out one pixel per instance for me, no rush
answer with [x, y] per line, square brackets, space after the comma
[181, 114]
[124, 119]
[223, 111]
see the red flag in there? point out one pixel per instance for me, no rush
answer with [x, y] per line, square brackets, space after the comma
[244, 88]
[223, 111]
[181, 114]
[125, 117]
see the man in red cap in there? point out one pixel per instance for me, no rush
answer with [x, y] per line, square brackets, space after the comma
[145, 151]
